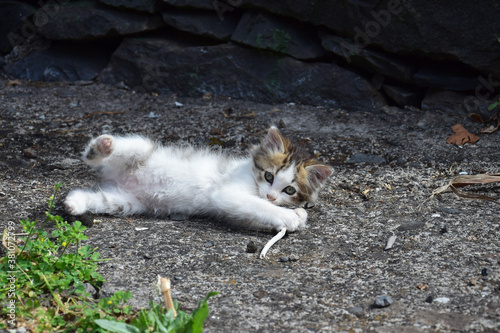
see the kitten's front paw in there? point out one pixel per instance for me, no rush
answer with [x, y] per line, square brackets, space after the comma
[75, 203]
[99, 148]
[296, 220]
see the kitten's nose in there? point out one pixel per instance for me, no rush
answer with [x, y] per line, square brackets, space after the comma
[271, 198]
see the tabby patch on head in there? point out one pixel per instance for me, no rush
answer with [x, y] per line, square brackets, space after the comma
[284, 174]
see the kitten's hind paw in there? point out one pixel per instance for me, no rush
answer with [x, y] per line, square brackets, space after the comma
[75, 203]
[99, 148]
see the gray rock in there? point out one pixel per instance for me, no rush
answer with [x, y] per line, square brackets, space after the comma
[94, 21]
[14, 25]
[382, 301]
[90, 289]
[63, 62]
[404, 96]
[251, 247]
[269, 32]
[367, 59]
[284, 259]
[411, 226]
[166, 66]
[365, 158]
[201, 23]
[357, 311]
[21, 330]
[151, 6]
[424, 23]
[199, 4]
[444, 79]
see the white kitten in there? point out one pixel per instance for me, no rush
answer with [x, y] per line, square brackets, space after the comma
[140, 176]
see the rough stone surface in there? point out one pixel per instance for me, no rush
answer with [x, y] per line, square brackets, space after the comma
[202, 23]
[424, 23]
[151, 6]
[62, 62]
[342, 259]
[14, 16]
[228, 70]
[370, 60]
[89, 20]
[264, 31]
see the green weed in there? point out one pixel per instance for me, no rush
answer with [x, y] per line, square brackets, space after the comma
[44, 278]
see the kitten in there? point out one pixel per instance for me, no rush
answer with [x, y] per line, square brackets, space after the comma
[140, 176]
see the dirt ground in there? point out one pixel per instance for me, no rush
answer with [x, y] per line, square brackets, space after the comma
[442, 274]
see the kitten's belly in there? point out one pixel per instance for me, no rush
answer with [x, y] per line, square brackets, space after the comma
[173, 188]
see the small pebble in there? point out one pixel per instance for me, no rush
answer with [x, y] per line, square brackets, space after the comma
[485, 271]
[178, 277]
[21, 330]
[383, 301]
[357, 311]
[147, 256]
[293, 257]
[444, 229]
[442, 300]
[251, 247]
[30, 153]
[284, 259]
[215, 131]
[209, 244]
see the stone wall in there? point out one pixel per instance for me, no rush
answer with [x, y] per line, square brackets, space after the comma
[357, 55]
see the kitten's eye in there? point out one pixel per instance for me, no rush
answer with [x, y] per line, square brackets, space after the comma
[289, 190]
[269, 177]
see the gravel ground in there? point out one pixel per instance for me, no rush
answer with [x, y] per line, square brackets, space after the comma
[442, 273]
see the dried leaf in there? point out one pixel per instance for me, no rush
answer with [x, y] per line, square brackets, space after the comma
[466, 180]
[482, 178]
[490, 129]
[461, 136]
[13, 83]
[476, 118]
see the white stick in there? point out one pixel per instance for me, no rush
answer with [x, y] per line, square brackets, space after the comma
[271, 242]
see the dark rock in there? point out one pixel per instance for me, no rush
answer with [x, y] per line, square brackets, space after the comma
[30, 153]
[199, 4]
[383, 301]
[449, 210]
[365, 158]
[269, 32]
[411, 226]
[229, 70]
[284, 259]
[202, 23]
[150, 6]
[404, 96]
[63, 62]
[87, 219]
[443, 230]
[89, 20]
[433, 29]
[444, 79]
[485, 271]
[357, 311]
[368, 59]
[251, 247]
[430, 298]
[90, 289]
[446, 101]
[14, 24]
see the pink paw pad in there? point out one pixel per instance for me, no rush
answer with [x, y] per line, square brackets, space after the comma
[105, 144]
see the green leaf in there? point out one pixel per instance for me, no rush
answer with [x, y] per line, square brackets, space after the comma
[114, 326]
[200, 314]
[492, 106]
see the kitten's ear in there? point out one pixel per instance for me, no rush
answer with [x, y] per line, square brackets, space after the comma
[319, 172]
[274, 141]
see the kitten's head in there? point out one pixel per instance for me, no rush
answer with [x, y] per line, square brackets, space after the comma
[284, 174]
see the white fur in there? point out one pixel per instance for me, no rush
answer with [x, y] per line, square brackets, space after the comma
[140, 177]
